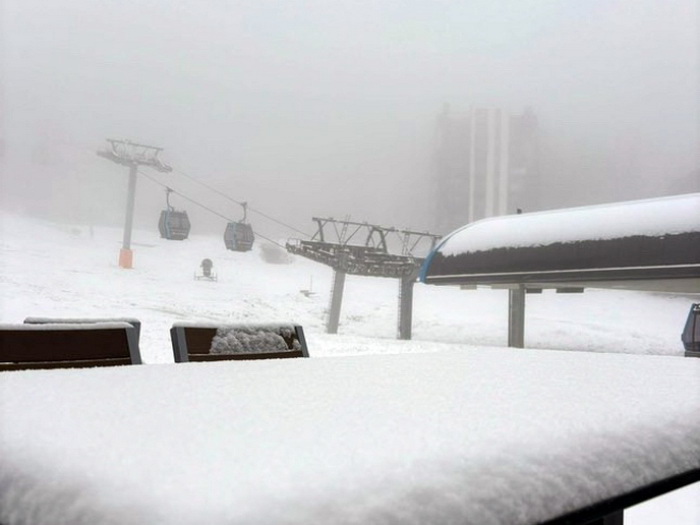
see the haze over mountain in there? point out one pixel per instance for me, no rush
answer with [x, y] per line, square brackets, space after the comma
[328, 108]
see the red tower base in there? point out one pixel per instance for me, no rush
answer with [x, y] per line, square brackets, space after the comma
[126, 258]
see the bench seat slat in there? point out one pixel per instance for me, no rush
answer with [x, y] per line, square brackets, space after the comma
[63, 364]
[241, 357]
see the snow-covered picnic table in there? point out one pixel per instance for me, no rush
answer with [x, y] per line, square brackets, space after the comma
[486, 436]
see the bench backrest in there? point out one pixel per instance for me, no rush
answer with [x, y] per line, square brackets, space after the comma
[192, 342]
[27, 346]
[75, 320]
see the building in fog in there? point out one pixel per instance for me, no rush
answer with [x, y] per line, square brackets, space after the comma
[486, 164]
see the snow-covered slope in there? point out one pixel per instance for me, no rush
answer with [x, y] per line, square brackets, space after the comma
[54, 270]
[51, 270]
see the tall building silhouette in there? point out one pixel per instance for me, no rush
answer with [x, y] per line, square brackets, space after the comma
[486, 164]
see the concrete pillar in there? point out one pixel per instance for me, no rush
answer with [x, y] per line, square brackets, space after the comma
[336, 302]
[516, 317]
[406, 306]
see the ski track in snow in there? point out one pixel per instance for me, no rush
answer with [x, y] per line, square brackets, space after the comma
[50, 270]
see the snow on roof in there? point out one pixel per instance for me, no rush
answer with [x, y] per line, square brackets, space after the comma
[480, 436]
[651, 217]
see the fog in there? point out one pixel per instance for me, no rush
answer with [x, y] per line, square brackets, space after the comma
[328, 108]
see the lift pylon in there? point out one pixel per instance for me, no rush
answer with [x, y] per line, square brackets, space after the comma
[369, 255]
[132, 155]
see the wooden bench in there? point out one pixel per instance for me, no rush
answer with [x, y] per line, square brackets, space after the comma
[75, 320]
[193, 342]
[63, 345]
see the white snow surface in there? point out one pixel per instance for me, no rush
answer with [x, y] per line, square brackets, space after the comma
[405, 434]
[473, 436]
[65, 326]
[88, 320]
[253, 339]
[649, 217]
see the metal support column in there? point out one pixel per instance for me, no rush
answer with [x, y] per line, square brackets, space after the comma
[127, 153]
[125, 255]
[336, 301]
[406, 306]
[516, 317]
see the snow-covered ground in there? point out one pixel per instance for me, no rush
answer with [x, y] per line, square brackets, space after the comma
[53, 270]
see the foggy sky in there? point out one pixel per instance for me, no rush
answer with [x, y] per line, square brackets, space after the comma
[327, 108]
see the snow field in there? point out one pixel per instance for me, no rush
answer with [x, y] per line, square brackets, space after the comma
[51, 270]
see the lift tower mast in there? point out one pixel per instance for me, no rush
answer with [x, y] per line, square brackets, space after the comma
[132, 155]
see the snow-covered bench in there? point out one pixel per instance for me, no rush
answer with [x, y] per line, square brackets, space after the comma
[89, 320]
[211, 342]
[66, 345]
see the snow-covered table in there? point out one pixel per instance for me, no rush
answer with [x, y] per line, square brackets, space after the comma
[477, 437]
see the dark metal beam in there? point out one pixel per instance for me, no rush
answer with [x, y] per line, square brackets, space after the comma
[516, 317]
[356, 260]
[615, 505]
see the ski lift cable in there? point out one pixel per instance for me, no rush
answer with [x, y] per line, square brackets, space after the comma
[227, 219]
[218, 192]
[210, 210]
[240, 203]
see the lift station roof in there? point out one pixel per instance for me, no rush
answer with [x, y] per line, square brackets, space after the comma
[651, 244]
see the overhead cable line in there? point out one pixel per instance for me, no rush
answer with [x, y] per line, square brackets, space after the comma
[212, 189]
[222, 194]
[210, 210]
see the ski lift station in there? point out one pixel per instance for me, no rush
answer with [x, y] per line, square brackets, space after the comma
[651, 245]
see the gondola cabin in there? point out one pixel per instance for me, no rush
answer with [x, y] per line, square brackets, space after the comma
[239, 236]
[691, 332]
[174, 225]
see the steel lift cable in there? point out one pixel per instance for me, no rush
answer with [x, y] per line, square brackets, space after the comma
[207, 208]
[222, 194]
